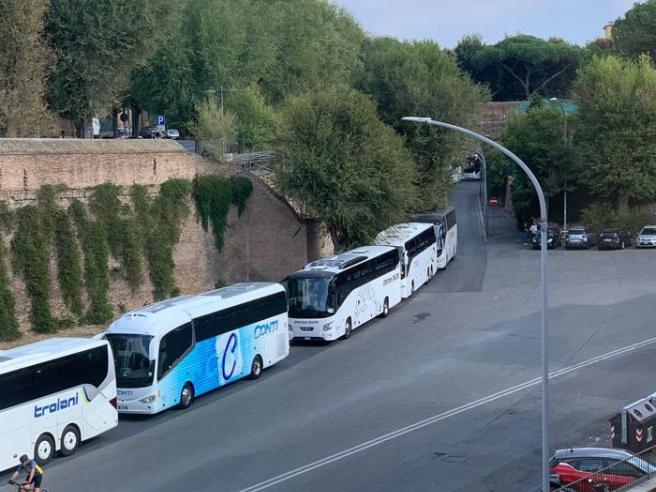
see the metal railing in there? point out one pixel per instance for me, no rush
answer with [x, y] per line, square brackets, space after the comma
[619, 476]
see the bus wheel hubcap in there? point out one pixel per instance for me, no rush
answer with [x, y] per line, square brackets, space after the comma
[70, 440]
[44, 450]
[186, 396]
[256, 367]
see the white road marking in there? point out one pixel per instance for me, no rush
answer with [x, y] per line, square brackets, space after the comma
[440, 417]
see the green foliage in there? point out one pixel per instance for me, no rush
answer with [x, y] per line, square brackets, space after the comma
[419, 78]
[213, 195]
[69, 260]
[538, 138]
[93, 236]
[8, 322]
[635, 33]
[344, 165]
[160, 222]
[602, 215]
[122, 235]
[98, 45]
[255, 118]
[215, 128]
[519, 66]
[30, 260]
[25, 58]
[616, 133]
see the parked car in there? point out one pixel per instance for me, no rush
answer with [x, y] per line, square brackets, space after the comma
[553, 238]
[172, 133]
[150, 132]
[596, 469]
[580, 237]
[614, 239]
[647, 237]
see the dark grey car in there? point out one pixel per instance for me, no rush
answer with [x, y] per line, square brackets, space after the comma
[614, 239]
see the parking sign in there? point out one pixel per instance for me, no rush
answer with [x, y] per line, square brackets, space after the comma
[161, 120]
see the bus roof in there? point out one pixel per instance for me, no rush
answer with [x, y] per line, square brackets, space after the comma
[346, 260]
[159, 318]
[51, 348]
[398, 234]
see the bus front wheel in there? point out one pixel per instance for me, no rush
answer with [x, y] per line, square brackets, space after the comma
[44, 449]
[385, 308]
[186, 396]
[256, 367]
[348, 328]
[70, 440]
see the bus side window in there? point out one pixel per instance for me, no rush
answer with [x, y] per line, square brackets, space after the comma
[172, 347]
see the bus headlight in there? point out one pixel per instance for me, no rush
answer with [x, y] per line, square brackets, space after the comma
[148, 399]
[327, 326]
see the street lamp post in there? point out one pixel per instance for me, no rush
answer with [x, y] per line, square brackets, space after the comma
[562, 109]
[543, 279]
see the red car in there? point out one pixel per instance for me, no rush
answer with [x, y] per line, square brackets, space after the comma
[597, 469]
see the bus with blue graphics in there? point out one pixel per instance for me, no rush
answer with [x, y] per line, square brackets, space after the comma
[54, 394]
[168, 353]
[332, 296]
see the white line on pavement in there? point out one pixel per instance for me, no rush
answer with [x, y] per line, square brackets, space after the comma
[439, 417]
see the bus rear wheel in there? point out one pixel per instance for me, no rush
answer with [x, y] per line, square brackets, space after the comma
[186, 396]
[44, 449]
[256, 367]
[348, 329]
[385, 308]
[70, 440]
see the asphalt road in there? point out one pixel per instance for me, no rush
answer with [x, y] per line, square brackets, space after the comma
[452, 360]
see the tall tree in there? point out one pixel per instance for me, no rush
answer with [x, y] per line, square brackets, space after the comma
[635, 33]
[519, 66]
[538, 137]
[98, 45]
[255, 118]
[420, 79]
[617, 128]
[344, 165]
[24, 59]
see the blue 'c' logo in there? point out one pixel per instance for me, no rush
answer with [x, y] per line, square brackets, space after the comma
[232, 340]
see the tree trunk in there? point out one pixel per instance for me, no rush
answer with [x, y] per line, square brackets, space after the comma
[115, 122]
[313, 227]
[136, 115]
[337, 242]
[623, 201]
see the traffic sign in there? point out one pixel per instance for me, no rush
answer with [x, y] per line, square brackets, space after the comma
[161, 120]
[493, 201]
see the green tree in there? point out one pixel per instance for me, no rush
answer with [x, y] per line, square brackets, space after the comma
[344, 165]
[25, 58]
[617, 128]
[98, 45]
[215, 128]
[635, 33]
[519, 66]
[255, 118]
[420, 79]
[538, 138]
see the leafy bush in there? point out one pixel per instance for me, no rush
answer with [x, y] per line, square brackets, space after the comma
[602, 215]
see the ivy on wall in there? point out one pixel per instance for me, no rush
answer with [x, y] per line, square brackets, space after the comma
[8, 321]
[93, 238]
[121, 229]
[160, 223]
[213, 195]
[81, 239]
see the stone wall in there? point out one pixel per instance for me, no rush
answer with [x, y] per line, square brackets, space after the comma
[266, 242]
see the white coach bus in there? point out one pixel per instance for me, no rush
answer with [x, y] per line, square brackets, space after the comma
[446, 228]
[331, 297]
[417, 243]
[54, 394]
[170, 352]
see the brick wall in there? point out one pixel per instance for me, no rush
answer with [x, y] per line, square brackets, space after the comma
[267, 242]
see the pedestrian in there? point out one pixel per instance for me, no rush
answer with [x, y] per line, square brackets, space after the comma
[533, 230]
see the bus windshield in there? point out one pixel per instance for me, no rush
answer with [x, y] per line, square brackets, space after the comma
[134, 369]
[310, 297]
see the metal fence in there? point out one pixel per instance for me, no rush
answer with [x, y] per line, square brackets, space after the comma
[605, 475]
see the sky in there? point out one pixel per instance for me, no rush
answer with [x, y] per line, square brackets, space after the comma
[446, 21]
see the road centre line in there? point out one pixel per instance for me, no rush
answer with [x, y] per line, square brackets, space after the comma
[284, 477]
